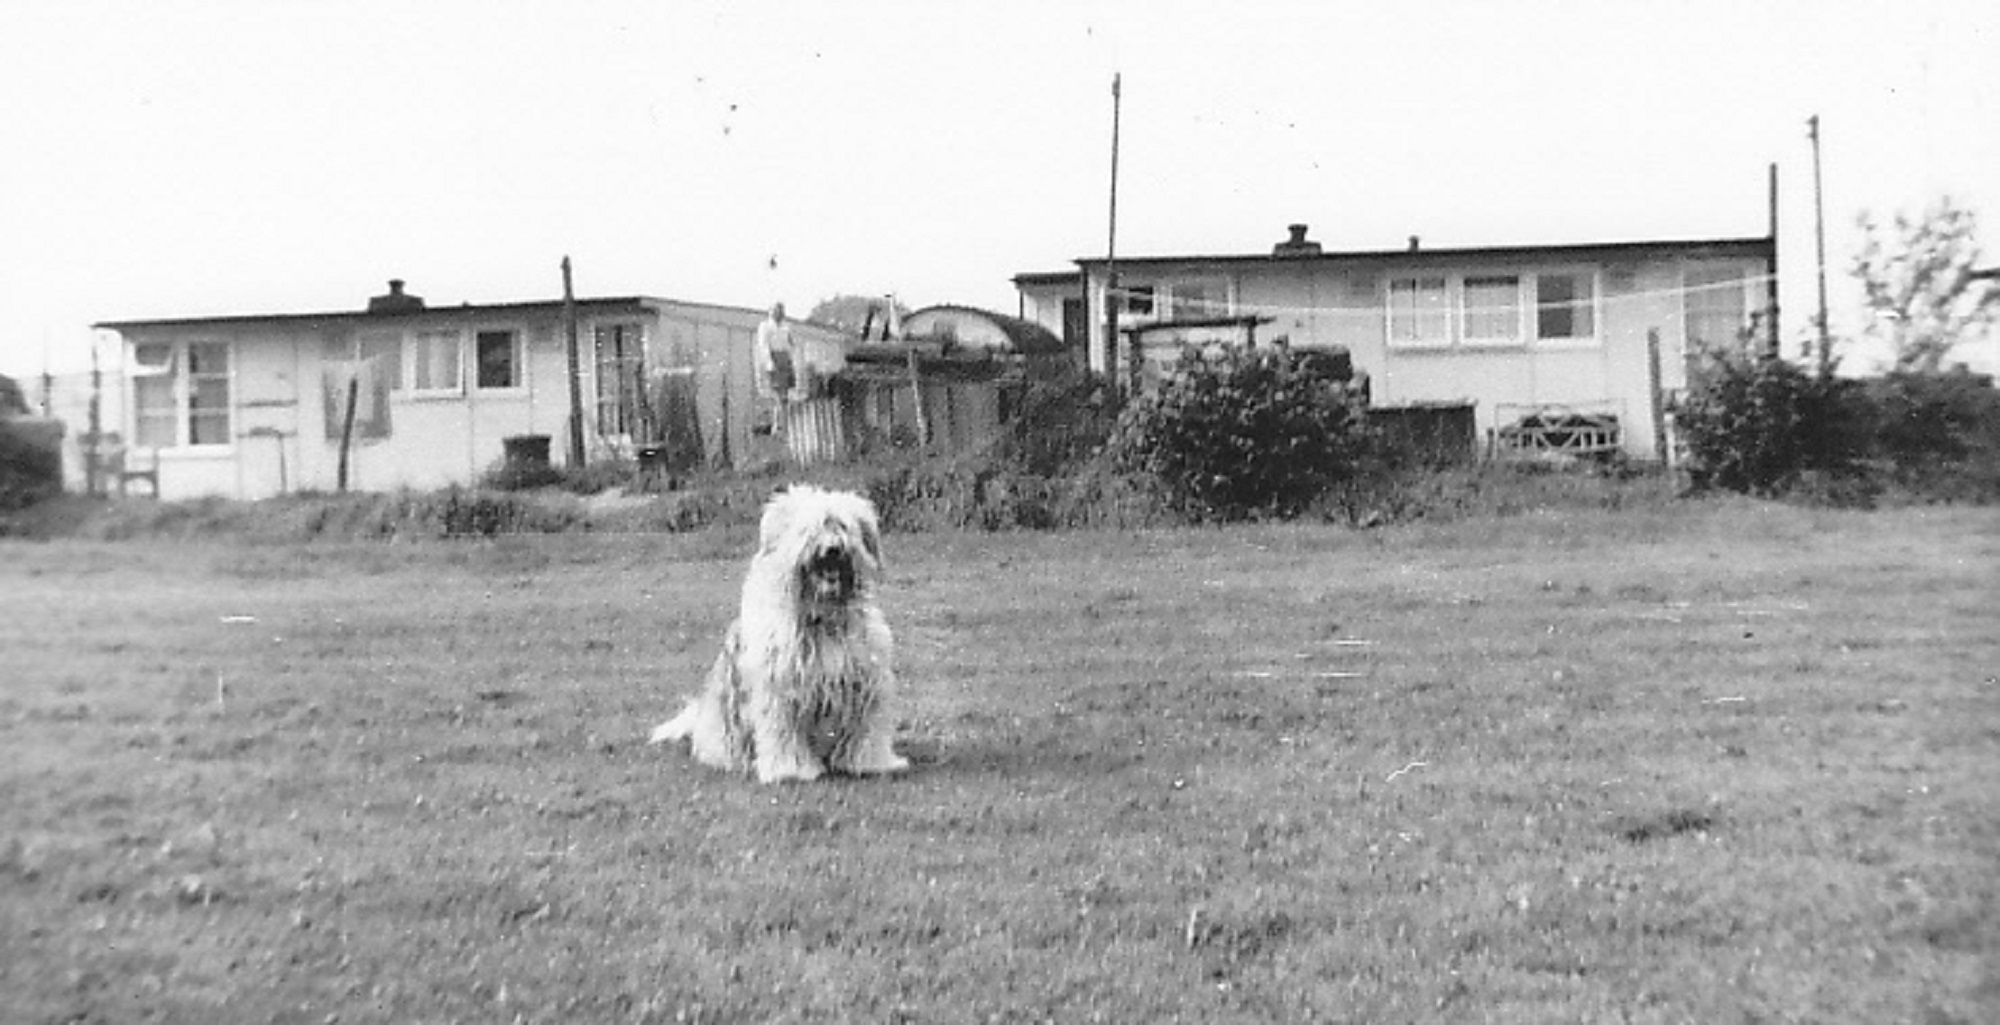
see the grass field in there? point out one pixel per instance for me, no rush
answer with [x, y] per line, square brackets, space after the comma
[1725, 762]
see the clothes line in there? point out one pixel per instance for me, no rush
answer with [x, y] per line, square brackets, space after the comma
[1375, 312]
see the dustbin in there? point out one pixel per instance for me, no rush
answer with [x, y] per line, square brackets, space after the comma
[526, 451]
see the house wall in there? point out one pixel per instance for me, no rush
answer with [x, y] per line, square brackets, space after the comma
[1315, 303]
[284, 440]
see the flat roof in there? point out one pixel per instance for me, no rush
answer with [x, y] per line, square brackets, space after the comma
[598, 304]
[1749, 246]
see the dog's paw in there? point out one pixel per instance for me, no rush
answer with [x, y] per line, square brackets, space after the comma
[881, 764]
[795, 773]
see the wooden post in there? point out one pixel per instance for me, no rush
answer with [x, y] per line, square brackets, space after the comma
[917, 392]
[92, 470]
[575, 373]
[1655, 394]
[1771, 289]
[347, 430]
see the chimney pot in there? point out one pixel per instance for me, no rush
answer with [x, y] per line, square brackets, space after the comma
[397, 301]
[1297, 244]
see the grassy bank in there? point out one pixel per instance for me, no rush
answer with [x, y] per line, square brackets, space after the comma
[1711, 761]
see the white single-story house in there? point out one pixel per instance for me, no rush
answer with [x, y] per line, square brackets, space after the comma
[425, 396]
[1524, 333]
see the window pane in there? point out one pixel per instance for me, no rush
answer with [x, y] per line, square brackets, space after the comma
[208, 358]
[1713, 307]
[1417, 310]
[208, 428]
[387, 350]
[154, 356]
[1139, 299]
[435, 361]
[496, 358]
[1563, 306]
[153, 412]
[1493, 308]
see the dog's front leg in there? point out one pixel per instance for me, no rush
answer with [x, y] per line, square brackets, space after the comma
[782, 751]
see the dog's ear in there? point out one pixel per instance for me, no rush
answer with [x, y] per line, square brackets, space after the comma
[871, 530]
[777, 518]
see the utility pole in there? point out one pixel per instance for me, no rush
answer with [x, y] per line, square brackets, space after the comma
[1771, 287]
[1819, 235]
[575, 374]
[1111, 251]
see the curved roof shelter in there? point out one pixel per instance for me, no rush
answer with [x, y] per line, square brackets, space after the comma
[968, 327]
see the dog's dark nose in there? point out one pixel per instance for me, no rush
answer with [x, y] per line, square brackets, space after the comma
[833, 569]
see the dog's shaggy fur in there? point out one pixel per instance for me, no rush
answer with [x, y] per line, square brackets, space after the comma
[805, 682]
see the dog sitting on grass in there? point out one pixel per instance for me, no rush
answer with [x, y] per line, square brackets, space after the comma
[805, 682]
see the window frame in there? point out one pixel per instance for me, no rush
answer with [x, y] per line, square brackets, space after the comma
[1592, 277]
[416, 363]
[1464, 310]
[183, 375]
[517, 358]
[1418, 316]
[1457, 312]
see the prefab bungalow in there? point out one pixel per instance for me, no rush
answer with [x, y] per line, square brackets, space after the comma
[1533, 335]
[405, 394]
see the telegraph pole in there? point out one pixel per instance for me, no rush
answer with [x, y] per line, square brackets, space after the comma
[1111, 251]
[575, 374]
[1819, 234]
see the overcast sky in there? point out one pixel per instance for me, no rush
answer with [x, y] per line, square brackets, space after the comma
[168, 159]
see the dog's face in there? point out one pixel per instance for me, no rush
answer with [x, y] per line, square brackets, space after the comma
[830, 539]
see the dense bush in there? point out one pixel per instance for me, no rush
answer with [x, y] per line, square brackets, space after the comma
[1236, 433]
[1061, 424]
[1937, 435]
[1759, 425]
[30, 462]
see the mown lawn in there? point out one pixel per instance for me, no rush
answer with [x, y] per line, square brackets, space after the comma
[1726, 762]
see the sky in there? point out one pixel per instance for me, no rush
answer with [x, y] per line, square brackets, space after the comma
[187, 158]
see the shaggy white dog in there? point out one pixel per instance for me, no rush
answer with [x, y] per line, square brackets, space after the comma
[805, 682]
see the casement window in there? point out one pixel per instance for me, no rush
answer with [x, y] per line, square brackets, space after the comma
[1419, 311]
[180, 394]
[620, 365]
[1197, 300]
[434, 363]
[496, 356]
[1566, 306]
[1490, 310]
[1714, 309]
[1138, 300]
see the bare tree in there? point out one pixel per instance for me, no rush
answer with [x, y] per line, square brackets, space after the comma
[1919, 282]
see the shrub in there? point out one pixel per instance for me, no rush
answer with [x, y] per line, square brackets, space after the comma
[1237, 432]
[1938, 434]
[30, 462]
[1759, 425]
[1062, 423]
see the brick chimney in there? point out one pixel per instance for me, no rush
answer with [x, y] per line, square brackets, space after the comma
[1297, 245]
[397, 301]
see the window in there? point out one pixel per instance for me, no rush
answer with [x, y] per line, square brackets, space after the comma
[434, 362]
[1198, 300]
[1565, 306]
[497, 356]
[1139, 300]
[180, 394]
[1491, 309]
[1443, 310]
[1417, 312]
[208, 394]
[1713, 308]
[619, 373]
